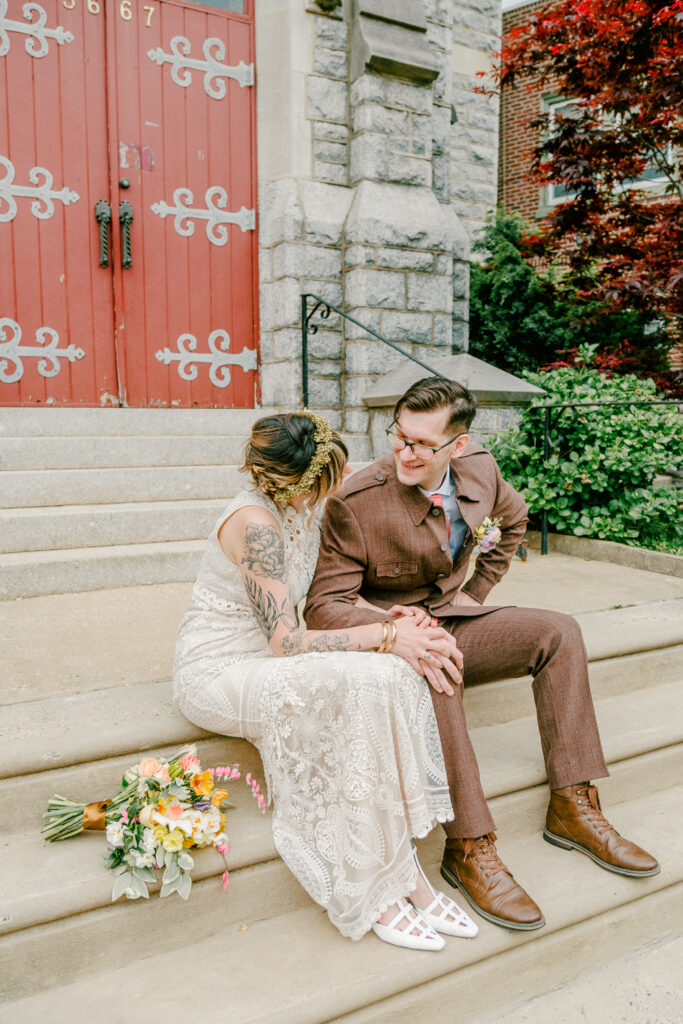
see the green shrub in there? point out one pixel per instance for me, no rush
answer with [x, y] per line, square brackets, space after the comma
[522, 318]
[598, 480]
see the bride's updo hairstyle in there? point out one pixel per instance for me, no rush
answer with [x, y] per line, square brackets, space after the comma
[282, 448]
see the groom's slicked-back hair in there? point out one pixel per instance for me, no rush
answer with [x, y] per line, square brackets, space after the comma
[432, 393]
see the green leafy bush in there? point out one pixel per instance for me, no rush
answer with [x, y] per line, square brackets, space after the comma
[598, 480]
[522, 318]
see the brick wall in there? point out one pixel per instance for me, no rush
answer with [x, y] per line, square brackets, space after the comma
[518, 186]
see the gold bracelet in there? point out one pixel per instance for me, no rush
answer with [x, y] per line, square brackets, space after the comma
[394, 637]
[385, 634]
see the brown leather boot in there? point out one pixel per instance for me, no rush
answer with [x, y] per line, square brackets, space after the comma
[575, 822]
[474, 867]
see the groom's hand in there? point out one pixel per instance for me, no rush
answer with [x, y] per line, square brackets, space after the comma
[432, 652]
[420, 616]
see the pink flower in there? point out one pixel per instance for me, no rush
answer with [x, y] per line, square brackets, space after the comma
[223, 848]
[174, 811]
[124, 817]
[495, 534]
[487, 543]
[225, 880]
[190, 763]
[162, 775]
[148, 766]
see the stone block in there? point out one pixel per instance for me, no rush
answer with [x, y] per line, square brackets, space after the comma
[375, 117]
[367, 89]
[331, 32]
[291, 259]
[330, 130]
[368, 157]
[325, 208]
[414, 328]
[439, 36]
[409, 97]
[333, 416]
[370, 357]
[399, 215]
[461, 279]
[429, 354]
[486, 418]
[359, 256]
[333, 63]
[421, 135]
[280, 213]
[461, 336]
[443, 330]
[327, 290]
[356, 421]
[332, 152]
[409, 170]
[355, 388]
[326, 99]
[460, 309]
[440, 127]
[330, 174]
[265, 264]
[443, 87]
[430, 292]
[280, 304]
[281, 383]
[374, 288]
[441, 177]
[284, 344]
[324, 368]
[405, 259]
[444, 264]
[325, 344]
[367, 317]
[485, 155]
[324, 391]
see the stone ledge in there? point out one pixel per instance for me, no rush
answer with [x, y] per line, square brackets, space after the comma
[611, 551]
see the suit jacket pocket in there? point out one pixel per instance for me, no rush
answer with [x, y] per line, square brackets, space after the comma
[395, 570]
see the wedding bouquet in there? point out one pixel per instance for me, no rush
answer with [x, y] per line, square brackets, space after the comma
[164, 809]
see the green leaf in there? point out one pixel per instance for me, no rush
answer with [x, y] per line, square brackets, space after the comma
[123, 882]
[184, 885]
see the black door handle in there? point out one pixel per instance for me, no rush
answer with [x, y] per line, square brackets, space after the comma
[125, 219]
[103, 218]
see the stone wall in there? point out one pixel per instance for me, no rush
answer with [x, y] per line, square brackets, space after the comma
[372, 205]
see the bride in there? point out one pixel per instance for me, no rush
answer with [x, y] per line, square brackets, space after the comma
[342, 719]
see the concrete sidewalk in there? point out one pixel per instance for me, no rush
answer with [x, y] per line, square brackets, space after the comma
[73, 643]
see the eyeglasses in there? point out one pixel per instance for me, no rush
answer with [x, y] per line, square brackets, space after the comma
[420, 451]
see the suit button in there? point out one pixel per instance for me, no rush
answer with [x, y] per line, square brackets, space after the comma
[436, 510]
[441, 576]
[396, 571]
[380, 478]
[444, 547]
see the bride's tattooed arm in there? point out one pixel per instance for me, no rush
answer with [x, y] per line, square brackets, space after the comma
[264, 552]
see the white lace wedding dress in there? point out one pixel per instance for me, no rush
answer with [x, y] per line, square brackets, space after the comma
[349, 741]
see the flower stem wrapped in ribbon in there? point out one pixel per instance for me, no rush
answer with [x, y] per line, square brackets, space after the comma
[163, 809]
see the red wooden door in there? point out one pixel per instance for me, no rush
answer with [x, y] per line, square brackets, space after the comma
[149, 107]
[56, 302]
[182, 116]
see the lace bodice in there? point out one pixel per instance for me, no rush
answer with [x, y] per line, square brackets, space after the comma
[219, 625]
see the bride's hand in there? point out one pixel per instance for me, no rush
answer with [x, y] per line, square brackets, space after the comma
[419, 615]
[431, 651]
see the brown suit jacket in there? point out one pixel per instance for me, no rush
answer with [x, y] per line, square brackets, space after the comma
[386, 542]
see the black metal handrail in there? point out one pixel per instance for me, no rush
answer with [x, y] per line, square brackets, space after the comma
[327, 307]
[548, 422]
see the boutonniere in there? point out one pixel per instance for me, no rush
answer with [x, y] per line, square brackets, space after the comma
[487, 535]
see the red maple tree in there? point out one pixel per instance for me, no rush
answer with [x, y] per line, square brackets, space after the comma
[621, 64]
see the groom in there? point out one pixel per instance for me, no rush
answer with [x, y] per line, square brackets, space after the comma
[402, 531]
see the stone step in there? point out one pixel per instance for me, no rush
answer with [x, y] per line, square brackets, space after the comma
[31, 488]
[65, 879]
[50, 422]
[313, 974]
[53, 453]
[57, 528]
[32, 573]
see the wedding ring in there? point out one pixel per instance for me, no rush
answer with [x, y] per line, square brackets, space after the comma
[427, 656]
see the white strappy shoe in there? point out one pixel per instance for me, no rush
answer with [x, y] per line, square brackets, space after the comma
[417, 934]
[444, 914]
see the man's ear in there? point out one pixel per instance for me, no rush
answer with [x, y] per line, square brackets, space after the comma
[460, 445]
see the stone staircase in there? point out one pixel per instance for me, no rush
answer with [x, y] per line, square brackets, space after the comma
[95, 498]
[265, 952]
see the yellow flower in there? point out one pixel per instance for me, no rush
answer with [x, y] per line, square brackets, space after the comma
[173, 841]
[218, 796]
[160, 832]
[202, 783]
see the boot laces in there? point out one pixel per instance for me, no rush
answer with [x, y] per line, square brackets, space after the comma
[485, 854]
[592, 810]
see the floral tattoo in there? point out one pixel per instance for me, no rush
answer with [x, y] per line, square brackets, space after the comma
[264, 552]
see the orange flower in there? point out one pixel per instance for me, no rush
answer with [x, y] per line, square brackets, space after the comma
[202, 783]
[218, 796]
[188, 843]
